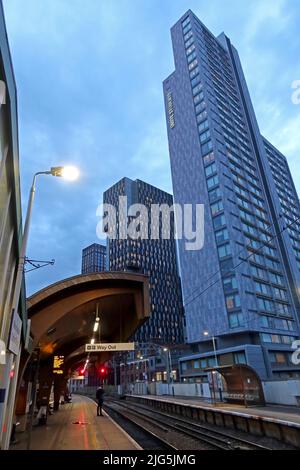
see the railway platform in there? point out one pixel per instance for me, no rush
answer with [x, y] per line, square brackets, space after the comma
[277, 422]
[289, 414]
[76, 426]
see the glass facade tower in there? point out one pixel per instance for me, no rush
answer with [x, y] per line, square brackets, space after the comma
[93, 259]
[155, 258]
[241, 288]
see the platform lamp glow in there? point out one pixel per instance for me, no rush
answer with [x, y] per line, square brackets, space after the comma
[67, 172]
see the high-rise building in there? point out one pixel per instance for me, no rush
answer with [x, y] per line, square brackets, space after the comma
[155, 258]
[240, 290]
[93, 258]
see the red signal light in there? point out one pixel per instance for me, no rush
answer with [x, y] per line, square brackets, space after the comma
[102, 370]
[82, 371]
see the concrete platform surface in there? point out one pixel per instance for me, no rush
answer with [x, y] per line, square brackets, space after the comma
[91, 432]
[288, 414]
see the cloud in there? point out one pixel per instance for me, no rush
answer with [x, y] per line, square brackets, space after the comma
[270, 17]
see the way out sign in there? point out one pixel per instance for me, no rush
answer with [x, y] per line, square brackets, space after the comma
[109, 347]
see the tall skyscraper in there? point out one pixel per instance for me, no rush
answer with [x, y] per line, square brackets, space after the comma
[242, 288]
[93, 259]
[156, 258]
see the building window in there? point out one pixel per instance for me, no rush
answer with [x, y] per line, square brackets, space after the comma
[287, 339]
[258, 272]
[264, 321]
[222, 235]
[268, 338]
[203, 125]
[207, 147]
[232, 301]
[262, 288]
[212, 168]
[278, 358]
[282, 308]
[229, 283]
[219, 221]
[197, 89]
[214, 194]
[224, 251]
[208, 158]
[280, 294]
[186, 22]
[217, 207]
[204, 136]
[276, 278]
[186, 29]
[190, 50]
[201, 116]
[236, 320]
[213, 181]
[211, 362]
[240, 358]
[265, 304]
[283, 324]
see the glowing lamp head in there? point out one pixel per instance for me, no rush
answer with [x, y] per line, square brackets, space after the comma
[68, 172]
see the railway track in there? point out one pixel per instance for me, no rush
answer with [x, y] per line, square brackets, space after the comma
[177, 432]
[147, 438]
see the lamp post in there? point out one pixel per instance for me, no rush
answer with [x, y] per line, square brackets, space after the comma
[67, 172]
[70, 173]
[206, 333]
[169, 367]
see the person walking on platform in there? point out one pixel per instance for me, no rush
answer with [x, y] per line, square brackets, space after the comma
[99, 397]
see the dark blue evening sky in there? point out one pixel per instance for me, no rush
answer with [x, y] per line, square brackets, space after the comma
[89, 76]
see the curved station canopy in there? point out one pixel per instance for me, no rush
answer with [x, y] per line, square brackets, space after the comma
[63, 314]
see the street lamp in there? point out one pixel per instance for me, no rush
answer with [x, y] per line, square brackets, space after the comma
[67, 172]
[206, 333]
[169, 366]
